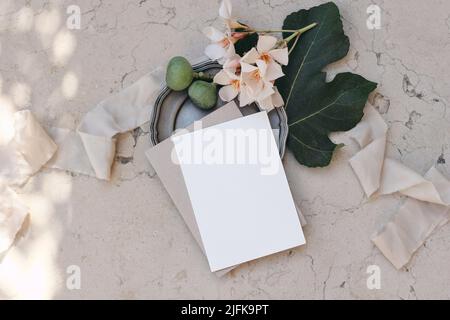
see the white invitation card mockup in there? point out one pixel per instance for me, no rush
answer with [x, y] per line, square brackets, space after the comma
[238, 190]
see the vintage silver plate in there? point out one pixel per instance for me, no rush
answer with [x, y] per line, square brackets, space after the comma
[174, 110]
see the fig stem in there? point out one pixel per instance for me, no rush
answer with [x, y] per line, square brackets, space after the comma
[264, 31]
[300, 31]
[296, 32]
[203, 76]
[293, 46]
[295, 35]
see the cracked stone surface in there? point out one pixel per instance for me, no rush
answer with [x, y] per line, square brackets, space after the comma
[126, 235]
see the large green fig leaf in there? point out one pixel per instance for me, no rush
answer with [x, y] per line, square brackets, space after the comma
[314, 107]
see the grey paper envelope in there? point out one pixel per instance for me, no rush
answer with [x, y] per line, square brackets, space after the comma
[171, 176]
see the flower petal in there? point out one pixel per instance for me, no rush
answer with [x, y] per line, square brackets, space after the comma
[222, 78]
[252, 88]
[265, 43]
[247, 68]
[277, 99]
[228, 93]
[225, 9]
[251, 56]
[280, 55]
[215, 51]
[213, 34]
[266, 104]
[232, 63]
[262, 66]
[266, 91]
[232, 75]
[245, 97]
[273, 72]
[231, 52]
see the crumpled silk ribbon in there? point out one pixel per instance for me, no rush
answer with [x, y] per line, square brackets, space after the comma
[26, 150]
[88, 150]
[427, 206]
[91, 148]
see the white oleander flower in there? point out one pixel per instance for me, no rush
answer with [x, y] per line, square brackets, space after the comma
[255, 79]
[229, 78]
[267, 57]
[225, 12]
[252, 77]
[222, 46]
[273, 101]
[247, 82]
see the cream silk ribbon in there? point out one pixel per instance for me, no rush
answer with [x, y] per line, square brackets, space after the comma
[89, 150]
[427, 206]
[25, 147]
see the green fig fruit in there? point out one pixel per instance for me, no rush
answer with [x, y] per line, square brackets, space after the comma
[179, 74]
[203, 94]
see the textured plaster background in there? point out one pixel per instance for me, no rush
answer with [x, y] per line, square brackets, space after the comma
[126, 235]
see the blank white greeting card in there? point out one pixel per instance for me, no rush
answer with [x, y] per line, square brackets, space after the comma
[238, 189]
